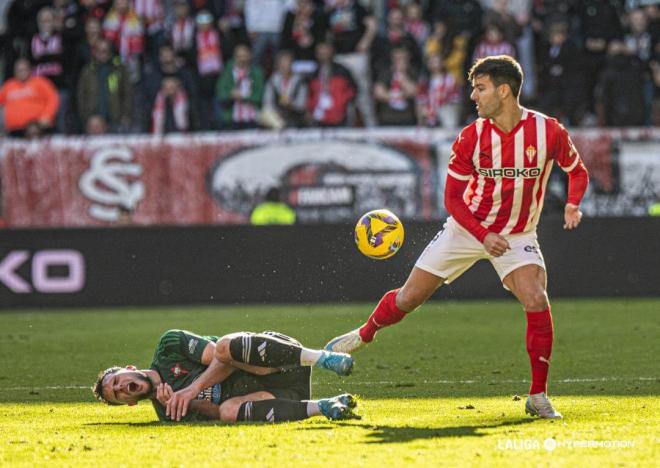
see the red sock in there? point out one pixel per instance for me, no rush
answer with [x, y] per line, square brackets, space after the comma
[539, 348]
[386, 313]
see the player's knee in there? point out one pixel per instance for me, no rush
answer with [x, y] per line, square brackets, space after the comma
[536, 300]
[229, 410]
[408, 300]
[223, 349]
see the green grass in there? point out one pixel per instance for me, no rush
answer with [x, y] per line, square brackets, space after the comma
[415, 382]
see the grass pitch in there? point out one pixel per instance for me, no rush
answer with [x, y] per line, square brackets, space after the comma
[436, 390]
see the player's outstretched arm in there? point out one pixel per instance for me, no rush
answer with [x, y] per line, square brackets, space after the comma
[572, 216]
[578, 180]
[569, 160]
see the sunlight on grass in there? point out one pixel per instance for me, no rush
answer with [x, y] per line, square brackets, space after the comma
[392, 432]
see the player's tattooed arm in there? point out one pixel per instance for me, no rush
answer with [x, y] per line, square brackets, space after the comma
[203, 408]
[216, 372]
[206, 409]
[198, 410]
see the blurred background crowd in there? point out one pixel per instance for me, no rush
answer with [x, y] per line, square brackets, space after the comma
[162, 66]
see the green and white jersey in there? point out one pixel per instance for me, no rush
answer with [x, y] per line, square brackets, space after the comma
[178, 361]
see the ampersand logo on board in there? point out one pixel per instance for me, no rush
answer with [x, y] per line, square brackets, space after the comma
[110, 183]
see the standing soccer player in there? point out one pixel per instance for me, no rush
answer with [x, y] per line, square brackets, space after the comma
[496, 180]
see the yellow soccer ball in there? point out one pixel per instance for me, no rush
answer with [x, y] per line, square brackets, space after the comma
[379, 234]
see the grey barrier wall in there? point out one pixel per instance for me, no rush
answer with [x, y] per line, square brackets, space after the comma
[299, 264]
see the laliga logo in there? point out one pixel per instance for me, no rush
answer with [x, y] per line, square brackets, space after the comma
[42, 280]
[106, 182]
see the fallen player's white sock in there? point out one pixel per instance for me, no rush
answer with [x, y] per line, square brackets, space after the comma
[309, 357]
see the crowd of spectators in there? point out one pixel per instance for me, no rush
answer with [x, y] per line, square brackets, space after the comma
[160, 66]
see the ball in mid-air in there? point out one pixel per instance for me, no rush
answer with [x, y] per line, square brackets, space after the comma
[379, 234]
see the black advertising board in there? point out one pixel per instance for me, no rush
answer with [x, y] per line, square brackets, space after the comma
[298, 264]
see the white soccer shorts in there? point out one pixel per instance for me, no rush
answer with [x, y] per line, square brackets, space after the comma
[453, 250]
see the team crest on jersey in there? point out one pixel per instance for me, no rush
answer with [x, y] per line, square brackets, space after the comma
[530, 152]
[177, 370]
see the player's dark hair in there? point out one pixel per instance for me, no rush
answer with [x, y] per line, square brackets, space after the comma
[97, 388]
[501, 69]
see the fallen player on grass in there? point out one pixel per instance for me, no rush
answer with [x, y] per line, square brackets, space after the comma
[239, 377]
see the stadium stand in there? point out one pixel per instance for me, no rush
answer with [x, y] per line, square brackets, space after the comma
[575, 56]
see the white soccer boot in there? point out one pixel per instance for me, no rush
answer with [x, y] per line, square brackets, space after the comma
[347, 343]
[539, 405]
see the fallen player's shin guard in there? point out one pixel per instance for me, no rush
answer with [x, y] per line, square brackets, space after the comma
[275, 410]
[264, 351]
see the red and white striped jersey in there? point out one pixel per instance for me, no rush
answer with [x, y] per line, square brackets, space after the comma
[507, 173]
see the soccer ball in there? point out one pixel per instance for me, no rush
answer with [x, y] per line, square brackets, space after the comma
[379, 234]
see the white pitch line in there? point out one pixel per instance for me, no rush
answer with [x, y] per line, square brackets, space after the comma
[486, 380]
[400, 382]
[54, 387]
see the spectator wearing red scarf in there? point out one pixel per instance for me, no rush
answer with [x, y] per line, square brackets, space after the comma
[438, 96]
[285, 96]
[415, 24]
[210, 46]
[168, 64]
[240, 90]
[152, 15]
[395, 92]
[304, 28]
[124, 29]
[171, 111]
[181, 33]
